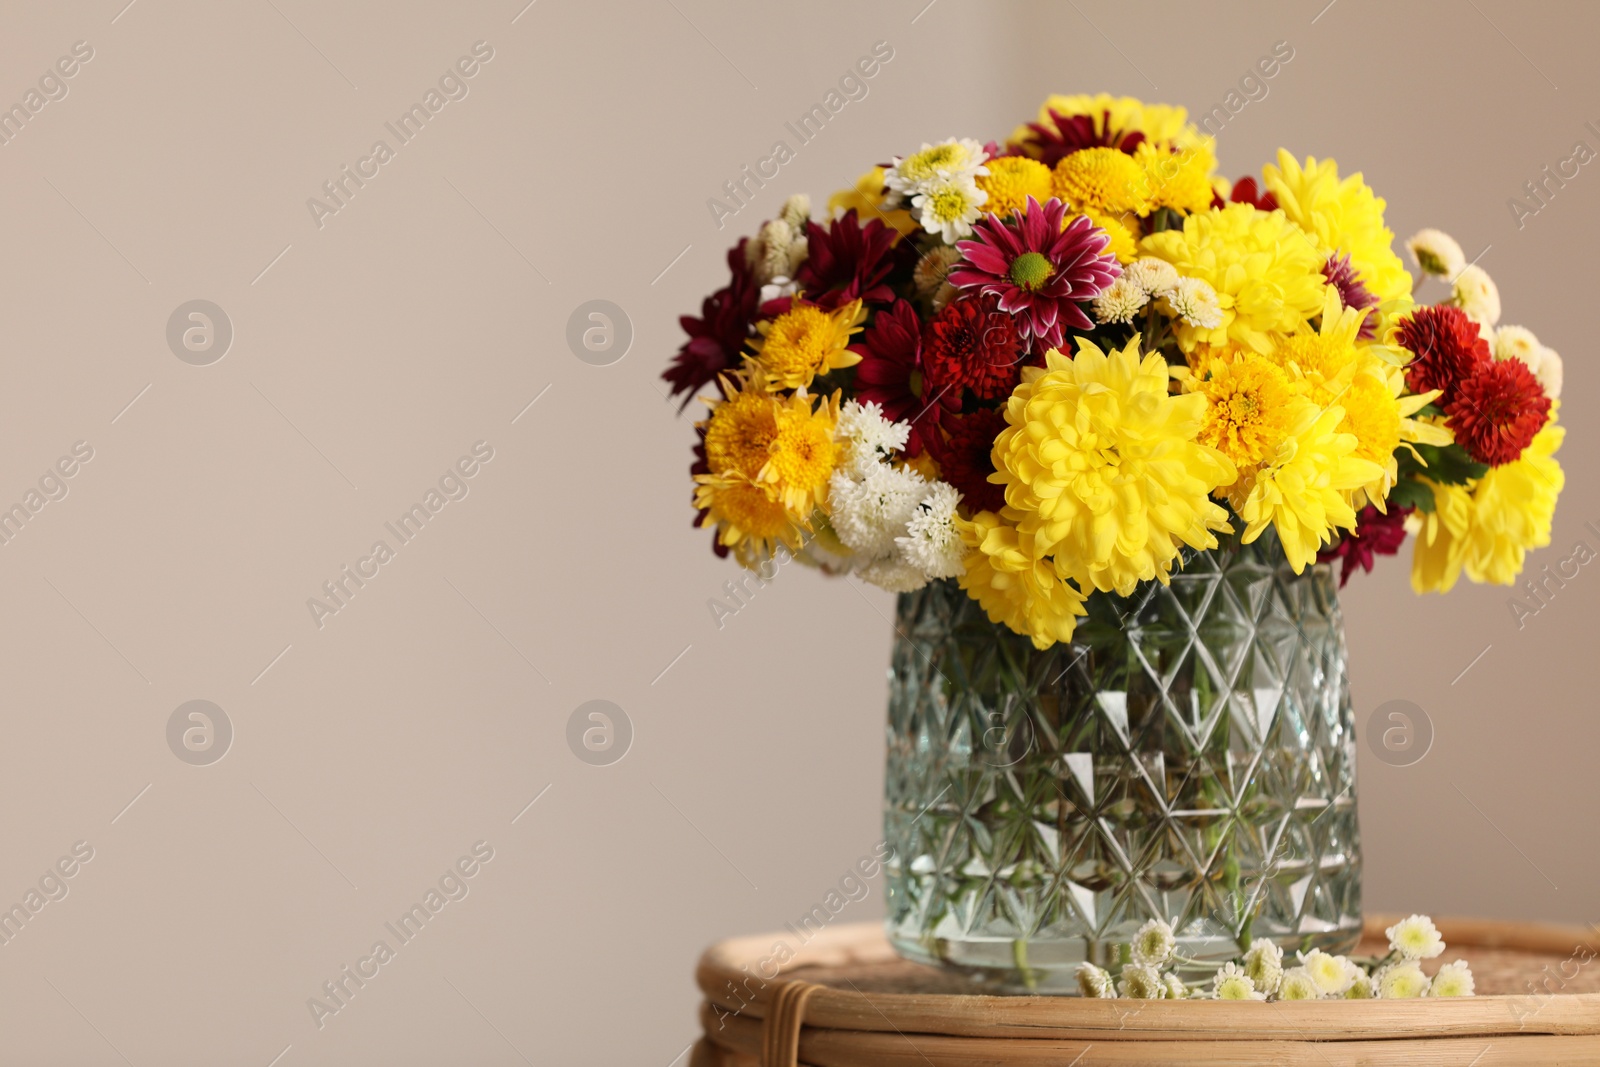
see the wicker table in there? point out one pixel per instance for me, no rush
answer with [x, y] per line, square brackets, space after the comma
[846, 1000]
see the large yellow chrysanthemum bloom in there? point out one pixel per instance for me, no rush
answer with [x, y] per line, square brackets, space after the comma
[1012, 585]
[1488, 529]
[1166, 125]
[1101, 179]
[1179, 180]
[1102, 470]
[1304, 491]
[1010, 181]
[1267, 276]
[1247, 407]
[1341, 216]
[868, 196]
[806, 341]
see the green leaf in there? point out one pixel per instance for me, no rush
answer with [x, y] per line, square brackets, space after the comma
[1409, 494]
[1450, 464]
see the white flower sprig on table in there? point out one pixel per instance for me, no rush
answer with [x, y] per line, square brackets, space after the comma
[1260, 974]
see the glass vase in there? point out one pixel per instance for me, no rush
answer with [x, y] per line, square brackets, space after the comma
[1189, 757]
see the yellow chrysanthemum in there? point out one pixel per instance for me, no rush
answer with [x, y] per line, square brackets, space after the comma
[1304, 491]
[1180, 180]
[867, 196]
[802, 456]
[1102, 470]
[1341, 216]
[1122, 230]
[806, 341]
[1117, 116]
[1267, 277]
[747, 518]
[1014, 586]
[1486, 530]
[1247, 404]
[1010, 181]
[1100, 179]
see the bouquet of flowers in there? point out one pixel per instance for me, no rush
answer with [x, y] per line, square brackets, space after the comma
[1047, 368]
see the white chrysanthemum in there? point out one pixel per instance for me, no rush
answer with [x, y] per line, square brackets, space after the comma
[1401, 981]
[1095, 982]
[1453, 980]
[1516, 342]
[959, 159]
[1549, 372]
[1264, 964]
[1333, 974]
[1119, 301]
[893, 574]
[1195, 302]
[1415, 938]
[869, 437]
[778, 288]
[1436, 253]
[1298, 984]
[1475, 293]
[932, 543]
[796, 212]
[869, 513]
[1154, 944]
[1154, 276]
[932, 269]
[1233, 984]
[1141, 983]
[1361, 988]
[1176, 990]
[776, 251]
[949, 207]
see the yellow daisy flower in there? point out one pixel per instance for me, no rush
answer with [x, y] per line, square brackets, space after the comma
[1100, 179]
[1102, 468]
[1341, 216]
[1012, 585]
[1010, 181]
[1267, 276]
[1440, 537]
[867, 196]
[805, 341]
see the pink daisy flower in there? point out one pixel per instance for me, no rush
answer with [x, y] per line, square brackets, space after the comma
[1039, 271]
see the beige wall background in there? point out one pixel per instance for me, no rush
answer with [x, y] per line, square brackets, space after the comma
[371, 352]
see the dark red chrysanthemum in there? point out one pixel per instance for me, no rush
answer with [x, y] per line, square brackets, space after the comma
[890, 370]
[1246, 191]
[846, 261]
[1447, 347]
[966, 458]
[1497, 410]
[1063, 135]
[970, 345]
[717, 338]
[1353, 293]
[1376, 533]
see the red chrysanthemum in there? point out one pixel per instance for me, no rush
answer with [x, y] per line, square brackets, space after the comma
[717, 338]
[1497, 410]
[1447, 347]
[1063, 135]
[1246, 191]
[1376, 533]
[971, 346]
[847, 261]
[891, 370]
[1353, 293]
[965, 454]
[1040, 271]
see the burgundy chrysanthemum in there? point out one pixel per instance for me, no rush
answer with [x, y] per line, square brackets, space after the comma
[1447, 347]
[1376, 533]
[1353, 293]
[1246, 191]
[890, 370]
[1039, 271]
[846, 261]
[1496, 411]
[717, 338]
[966, 458]
[1066, 134]
[973, 346]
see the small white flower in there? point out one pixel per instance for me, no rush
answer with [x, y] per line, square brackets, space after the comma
[1154, 276]
[1141, 983]
[1549, 372]
[1475, 293]
[868, 435]
[796, 212]
[1361, 988]
[893, 574]
[955, 158]
[1094, 982]
[778, 288]
[1264, 964]
[1120, 301]
[1154, 944]
[1298, 984]
[931, 269]
[1176, 990]
[1195, 302]
[870, 513]
[1415, 938]
[949, 207]
[1401, 981]
[776, 251]
[1333, 974]
[1516, 342]
[932, 543]
[1436, 253]
[1233, 984]
[1453, 980]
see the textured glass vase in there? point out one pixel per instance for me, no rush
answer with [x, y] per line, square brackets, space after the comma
[1189, 757]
